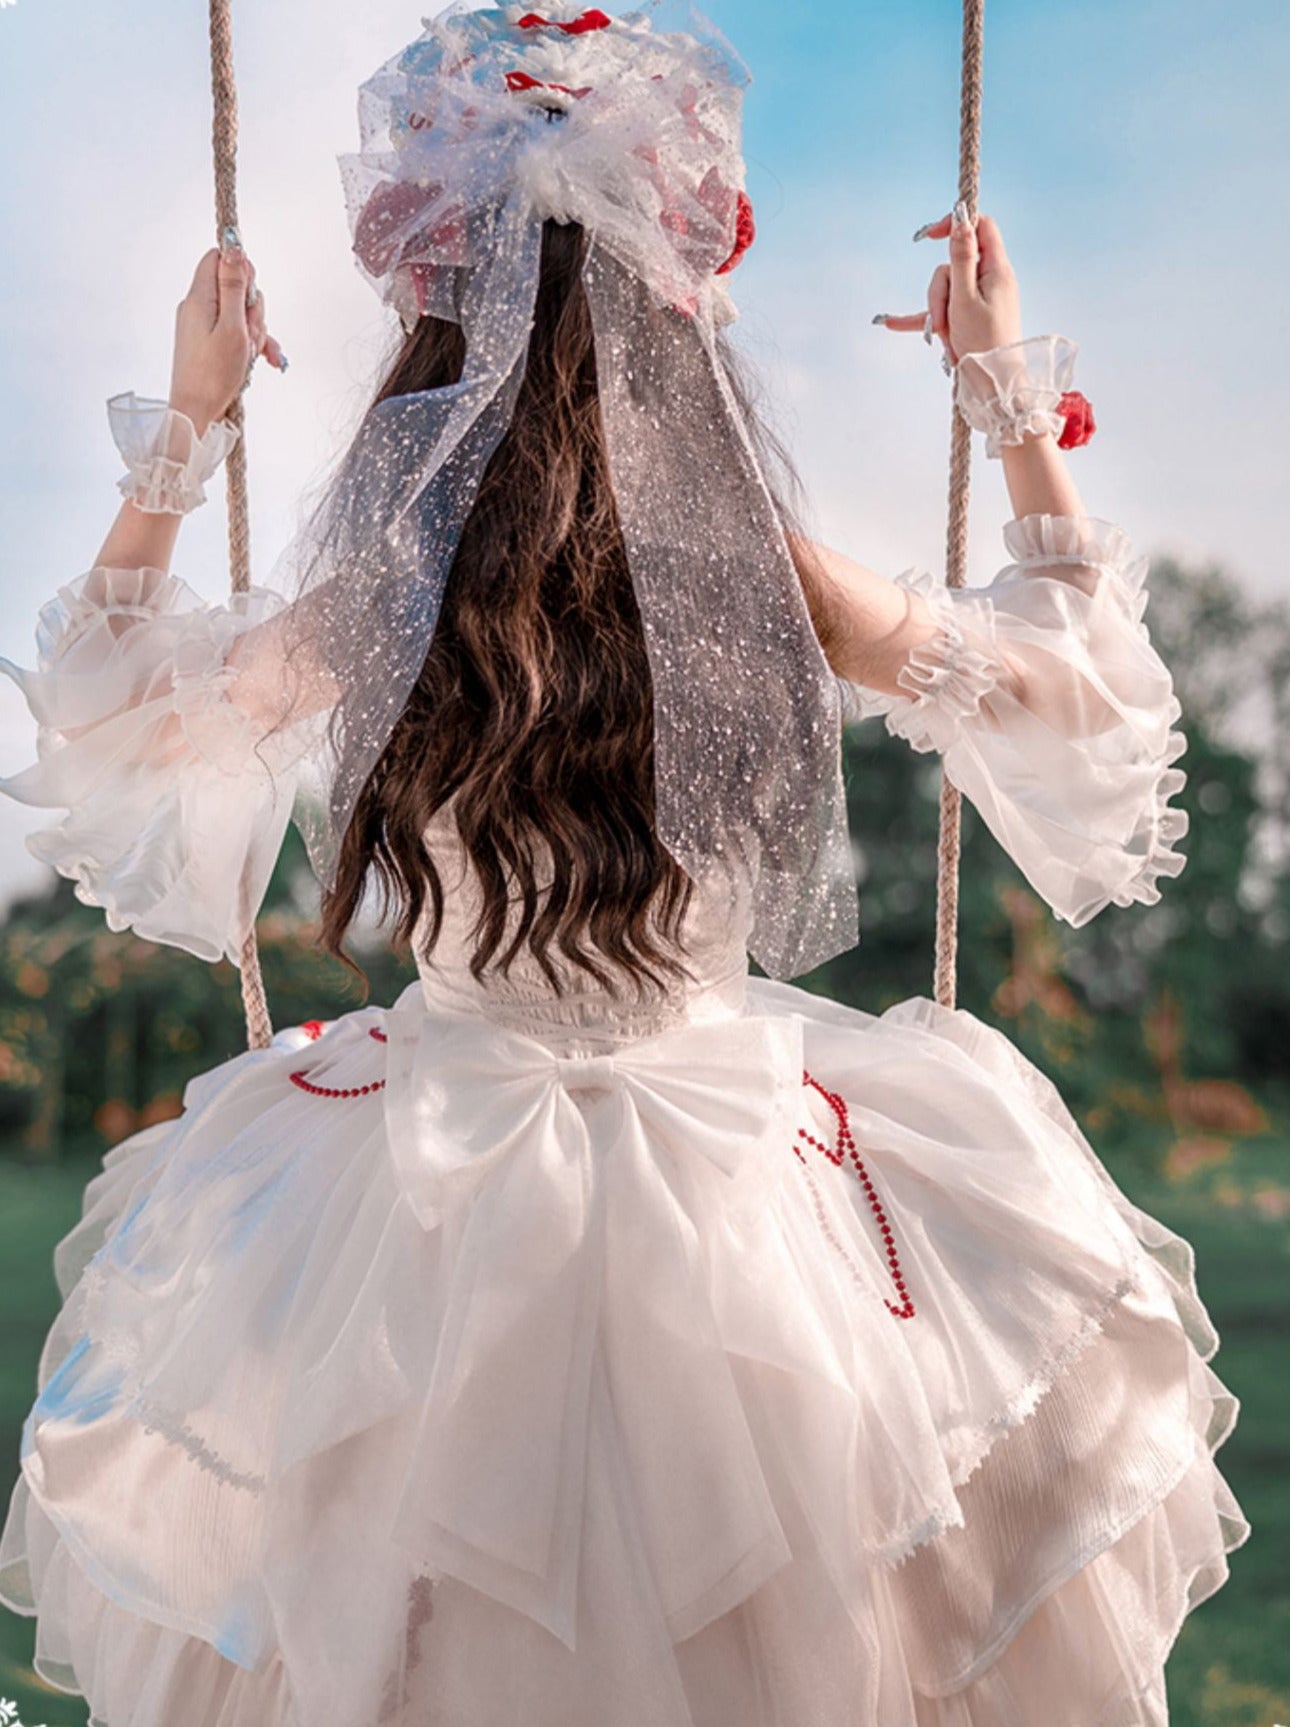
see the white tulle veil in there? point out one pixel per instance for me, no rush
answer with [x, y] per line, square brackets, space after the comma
[487, 125]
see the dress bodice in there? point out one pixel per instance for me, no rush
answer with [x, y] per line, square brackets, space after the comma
[587, 1017]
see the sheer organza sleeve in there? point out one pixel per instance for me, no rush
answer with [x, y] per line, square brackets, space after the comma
[166, 731]
[1052, 711]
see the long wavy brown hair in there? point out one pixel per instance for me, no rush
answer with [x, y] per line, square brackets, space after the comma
[535, 705]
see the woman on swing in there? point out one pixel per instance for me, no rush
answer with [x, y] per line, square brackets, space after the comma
[601, 1335]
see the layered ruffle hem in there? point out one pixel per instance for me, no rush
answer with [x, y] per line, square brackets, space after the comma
[431, 1372]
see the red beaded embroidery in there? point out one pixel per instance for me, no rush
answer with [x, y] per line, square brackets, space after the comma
[313, 1029]
[845, 1146]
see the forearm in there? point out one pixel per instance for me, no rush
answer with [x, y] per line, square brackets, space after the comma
[139, 540]
[868, 625]
[1038, 479]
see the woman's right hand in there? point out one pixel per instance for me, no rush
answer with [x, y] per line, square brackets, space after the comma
[973, 300]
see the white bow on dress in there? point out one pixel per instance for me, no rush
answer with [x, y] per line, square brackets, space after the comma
[535, 1161]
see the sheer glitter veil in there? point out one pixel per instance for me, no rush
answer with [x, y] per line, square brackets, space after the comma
[472, 136]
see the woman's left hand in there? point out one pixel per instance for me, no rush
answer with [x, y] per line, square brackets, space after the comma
[218, 336]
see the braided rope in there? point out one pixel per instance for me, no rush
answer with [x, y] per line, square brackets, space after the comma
[259, 1027]
[951, 806]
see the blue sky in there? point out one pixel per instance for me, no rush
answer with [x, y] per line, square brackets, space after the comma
[1136, 154]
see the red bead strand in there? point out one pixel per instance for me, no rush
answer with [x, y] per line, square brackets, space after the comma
[844, 1147]
[313, 1029]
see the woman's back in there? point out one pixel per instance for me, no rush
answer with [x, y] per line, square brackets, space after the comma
[712, 944]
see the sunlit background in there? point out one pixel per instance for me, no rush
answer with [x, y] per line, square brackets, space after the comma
[1136, 154]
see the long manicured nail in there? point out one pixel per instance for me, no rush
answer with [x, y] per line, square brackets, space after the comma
[230, 239]
[283, 362]
[927, 329]
[925, 230]
[881, 317]
[960, 213]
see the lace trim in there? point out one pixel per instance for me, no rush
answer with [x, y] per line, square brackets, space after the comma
[121, 1349]
[175, 1431]
[1018, 1409]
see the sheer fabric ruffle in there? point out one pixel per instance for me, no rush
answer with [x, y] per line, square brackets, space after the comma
[1011, 392]
[177, 797]
[707, 1477]
[1042, 690]
[1053, 712]
[167, 464]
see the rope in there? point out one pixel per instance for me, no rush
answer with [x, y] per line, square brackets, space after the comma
[948, 849]
[259, 1027]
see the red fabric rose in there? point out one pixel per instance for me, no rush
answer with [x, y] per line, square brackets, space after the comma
[745, 233]
[1080, 424]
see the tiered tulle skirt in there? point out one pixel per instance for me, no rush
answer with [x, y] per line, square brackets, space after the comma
[435, 1390]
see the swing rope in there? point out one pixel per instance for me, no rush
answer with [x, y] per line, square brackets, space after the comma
[259, 1027]
[951, 807]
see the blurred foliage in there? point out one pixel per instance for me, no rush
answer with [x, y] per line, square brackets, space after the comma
[100, 1032]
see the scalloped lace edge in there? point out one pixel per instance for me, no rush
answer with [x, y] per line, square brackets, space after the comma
[1018, 1409]
[121, 1350]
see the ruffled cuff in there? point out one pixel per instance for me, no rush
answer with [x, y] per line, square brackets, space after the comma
[1086, 550]
[1053, 713]
[167, 462]
[177, 800]
[946, 676]
[1012, 391]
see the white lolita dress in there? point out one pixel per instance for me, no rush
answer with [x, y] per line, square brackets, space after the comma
[495, 1360]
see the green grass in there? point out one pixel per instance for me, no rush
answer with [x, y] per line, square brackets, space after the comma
[1231, 1667]
[1231, 1664]
[37, 1207]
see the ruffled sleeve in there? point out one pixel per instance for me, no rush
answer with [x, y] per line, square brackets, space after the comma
[177, 788]
[1052, 712]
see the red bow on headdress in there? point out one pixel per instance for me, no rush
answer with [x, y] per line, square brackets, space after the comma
[593, 20]
[517, 81]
